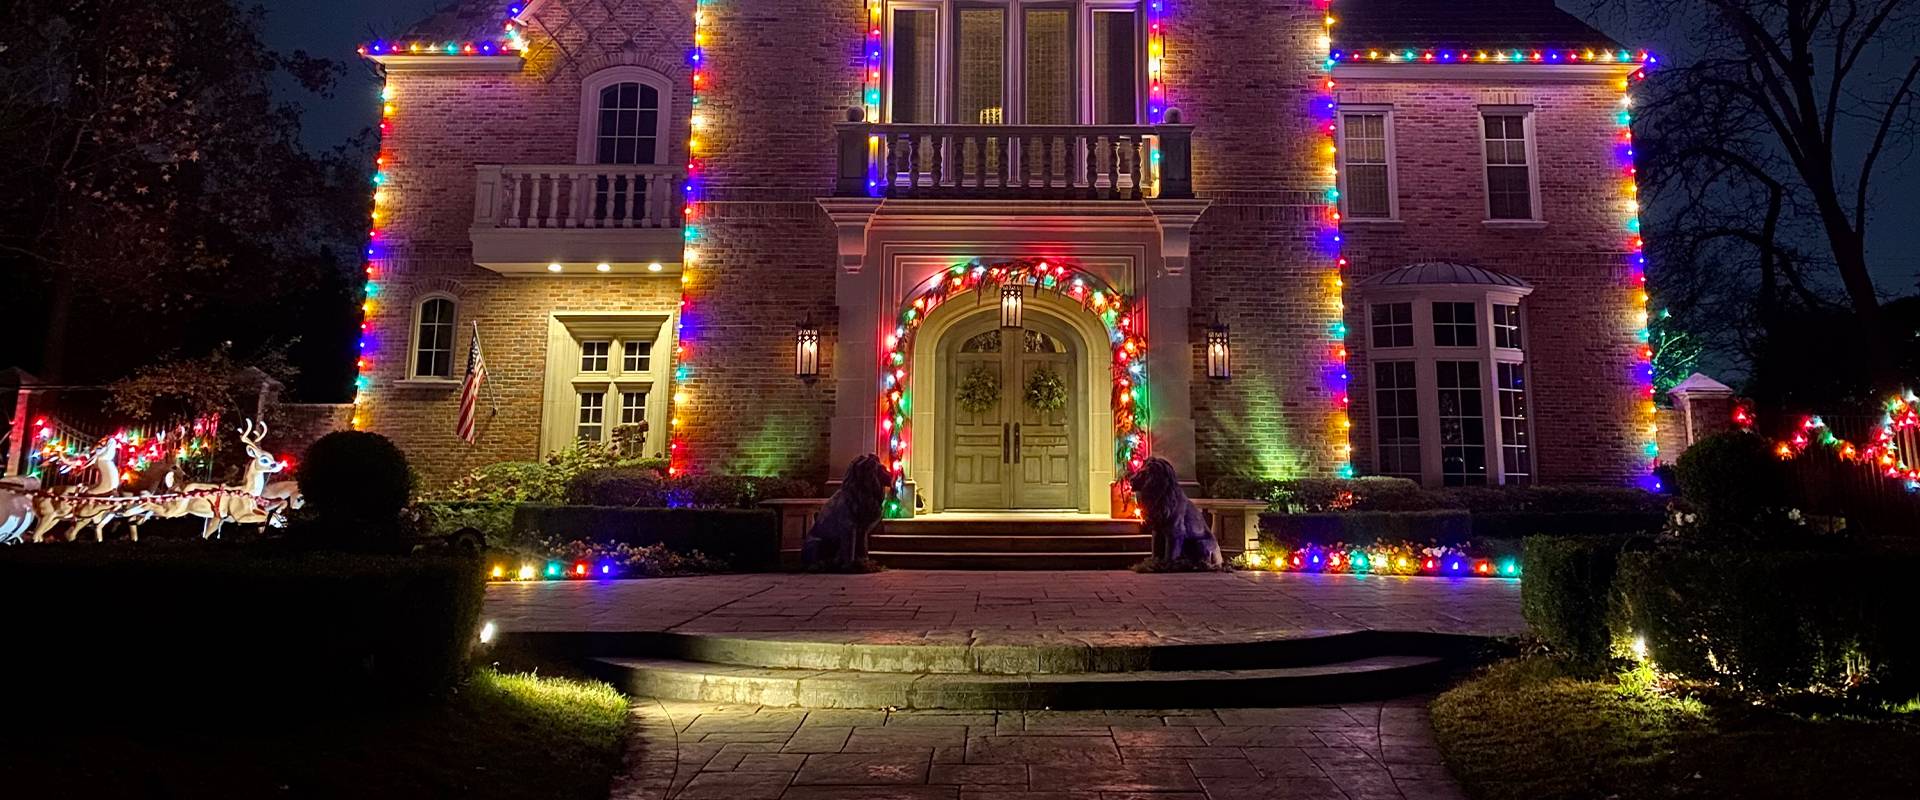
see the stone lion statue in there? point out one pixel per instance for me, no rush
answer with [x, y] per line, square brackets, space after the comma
[1171, 517]
[839, 536]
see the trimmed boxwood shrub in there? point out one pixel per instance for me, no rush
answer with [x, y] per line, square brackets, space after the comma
[1449, 526]
[355, 477]
[646, 488]
[1521, 524]
[1565, 595]
[216, 630]
[747, 539]
[1770, 621]
[493, 520]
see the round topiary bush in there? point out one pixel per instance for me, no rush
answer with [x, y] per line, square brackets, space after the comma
[355, 477]
[1732, 479]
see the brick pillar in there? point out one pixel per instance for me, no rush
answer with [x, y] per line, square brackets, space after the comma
[1705, 408]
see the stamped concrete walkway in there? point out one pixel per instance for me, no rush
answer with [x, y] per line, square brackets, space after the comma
[687, 751]
[983, 608]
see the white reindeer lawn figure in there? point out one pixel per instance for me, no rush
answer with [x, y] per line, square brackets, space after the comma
[92, 504]
[242, 504]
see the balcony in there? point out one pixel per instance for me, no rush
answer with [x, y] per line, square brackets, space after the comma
[1015, 162]
[527, 217]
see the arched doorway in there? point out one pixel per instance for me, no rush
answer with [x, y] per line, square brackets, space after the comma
[1013, 403]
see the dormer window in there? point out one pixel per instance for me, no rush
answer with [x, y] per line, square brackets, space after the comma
[1013, 62]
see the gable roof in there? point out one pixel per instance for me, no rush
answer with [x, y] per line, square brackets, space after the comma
[1460, 24]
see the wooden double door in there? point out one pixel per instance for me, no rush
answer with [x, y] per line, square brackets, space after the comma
[1010, 399]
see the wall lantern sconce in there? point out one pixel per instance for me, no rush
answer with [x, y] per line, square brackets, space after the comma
[806, 350]
[1011, 299]
[1219, 352]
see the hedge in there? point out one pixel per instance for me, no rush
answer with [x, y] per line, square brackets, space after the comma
[1449, 526]
[647, 488]
[1566, 594]
[215, 629]
[493, 519]
[1521, 524]
[748, 540]
[1771, 621]
[1318, 495]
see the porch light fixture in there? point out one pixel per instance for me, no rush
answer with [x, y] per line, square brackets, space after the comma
[806, 350]
[1219, 352]
[1012, 297]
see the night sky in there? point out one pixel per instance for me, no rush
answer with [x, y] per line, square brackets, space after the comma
[333, 29]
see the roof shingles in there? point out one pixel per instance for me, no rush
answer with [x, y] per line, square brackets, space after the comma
[1460, 24]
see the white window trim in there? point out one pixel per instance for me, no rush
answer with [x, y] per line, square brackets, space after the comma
[1013, 72]
[414, 378]
[587, 150]
[1426, 355]
[564, 380]
[1393, 163]
[1534, 218]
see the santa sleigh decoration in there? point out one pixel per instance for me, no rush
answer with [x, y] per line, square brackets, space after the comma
[28, 510]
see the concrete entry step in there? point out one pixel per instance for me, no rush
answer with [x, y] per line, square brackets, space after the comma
[1373, 677]
[922, 543]
[1018, 561]
[1012, 525]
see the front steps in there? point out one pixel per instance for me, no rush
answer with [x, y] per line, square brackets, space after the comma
[1310, 671]
[985, 542]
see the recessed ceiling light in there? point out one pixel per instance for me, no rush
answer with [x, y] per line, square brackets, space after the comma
[604, 267]
[553, 267]
[653, 267]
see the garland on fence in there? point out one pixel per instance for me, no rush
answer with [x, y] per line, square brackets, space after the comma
[1380, 558]
[1881, 453]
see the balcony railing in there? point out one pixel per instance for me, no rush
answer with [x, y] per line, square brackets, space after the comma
[578, 196]
[1068, 162]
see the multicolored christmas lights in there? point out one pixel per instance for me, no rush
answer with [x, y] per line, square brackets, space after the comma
[679, 459]
[376, 255]
[1517, 55]
[1325, 113]
[1882, 453]
[1157, 100]
[1115, 311]
[554, 571]
[1636, 289]
[509, 43]
[1380, 558]
[140, 447]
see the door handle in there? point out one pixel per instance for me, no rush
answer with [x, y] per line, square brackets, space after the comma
[1006, 443]
[1016, 443]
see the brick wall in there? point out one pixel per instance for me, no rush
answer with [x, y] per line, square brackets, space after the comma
[1580, 319]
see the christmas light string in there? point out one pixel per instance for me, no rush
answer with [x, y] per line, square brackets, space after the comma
[1115, 311]
[1380, 558]
[679, 459]
[140, 447]
[1325, 112]
[510, 42]
[1637, 282]
[1419, 55]
[1882, 452]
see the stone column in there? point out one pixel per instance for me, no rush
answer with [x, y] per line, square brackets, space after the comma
[856, 350]
[1169, 298]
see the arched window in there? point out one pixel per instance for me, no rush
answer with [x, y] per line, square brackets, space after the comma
[624, 113]
[1446, 359]
[433, 319]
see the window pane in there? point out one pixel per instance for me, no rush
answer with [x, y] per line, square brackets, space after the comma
[1506, 326]
[633, 407]
[1516, 455]
[637, 356]
[1463, 434]
[1454, 325]
[591, 425]
[1048, 66]
[1397, 412]
[593, 356]
[1116, 68]
[1392, 325]
[915, 48]
[980, 67]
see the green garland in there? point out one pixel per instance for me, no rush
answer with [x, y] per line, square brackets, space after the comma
[980, 391]
[1046, 391]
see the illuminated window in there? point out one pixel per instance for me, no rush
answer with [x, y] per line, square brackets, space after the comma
[994, 62]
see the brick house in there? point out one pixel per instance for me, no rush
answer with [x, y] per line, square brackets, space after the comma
[1014, 247]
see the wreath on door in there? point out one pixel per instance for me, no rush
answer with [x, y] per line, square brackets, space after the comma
[1046, 391]
[980, 391]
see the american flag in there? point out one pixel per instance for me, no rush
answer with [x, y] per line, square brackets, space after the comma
[470, 388]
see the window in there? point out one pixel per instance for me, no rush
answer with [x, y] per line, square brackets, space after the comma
[995, 62]
[1509, 182]
[1393, 325]
[916, 33]
[1116, 66]
[1454, 325]
[1366, 174]
[1509, 381]
[624, 113]
[633, 408]
[433, 338]
[1506, 326]
[629, 123]
[636, 356]
[1396, 412]
[1463, 426]
[591, 425]
[593, 356]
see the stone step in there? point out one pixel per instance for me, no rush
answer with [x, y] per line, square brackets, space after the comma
[920, 543]
[996, 659]
[1004, 560]
[1358, 679]
[939, 525]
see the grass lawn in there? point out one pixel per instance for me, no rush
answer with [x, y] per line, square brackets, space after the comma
[499, 736]
[1525, 729]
